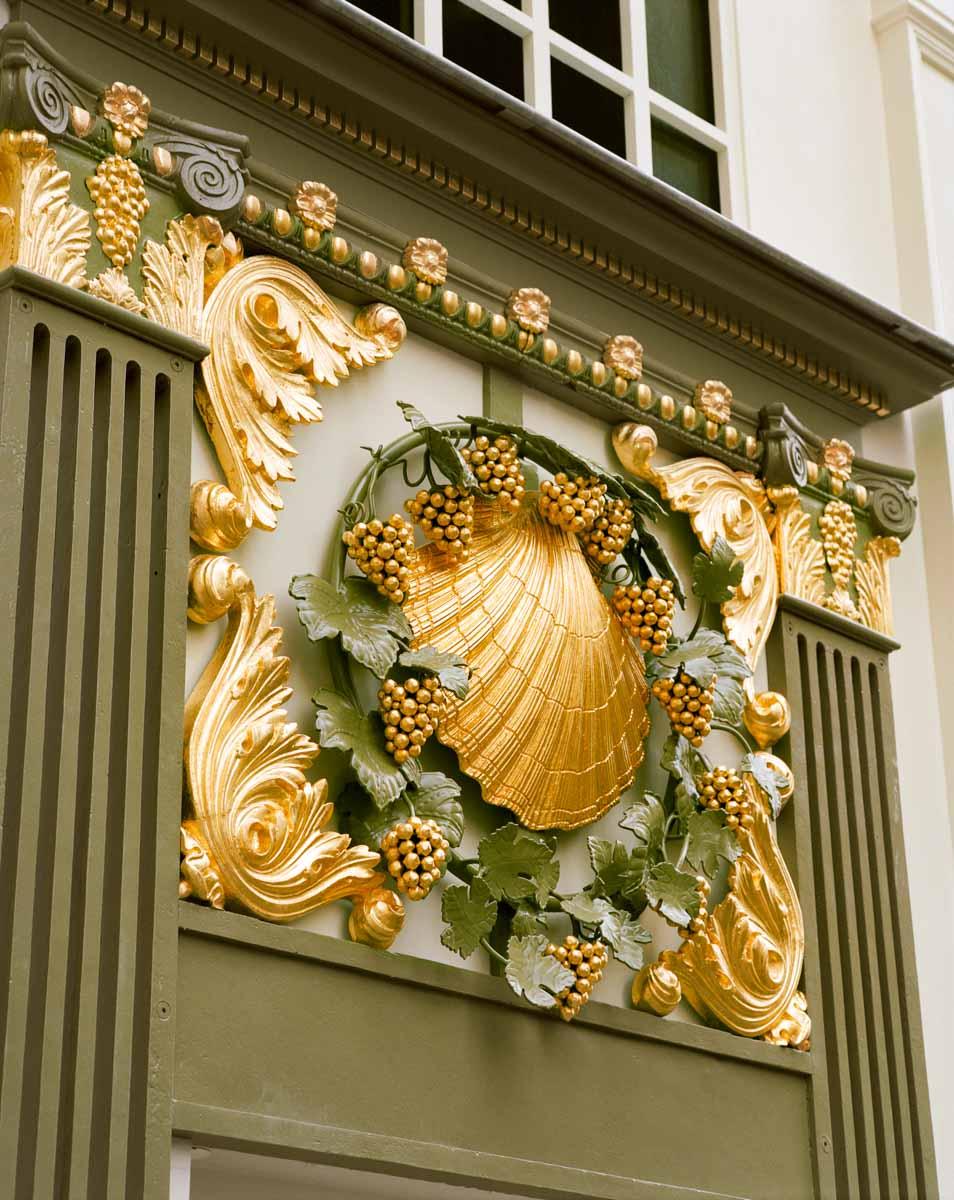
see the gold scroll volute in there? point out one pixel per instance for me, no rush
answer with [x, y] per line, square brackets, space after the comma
[255, 838]
[744, 968]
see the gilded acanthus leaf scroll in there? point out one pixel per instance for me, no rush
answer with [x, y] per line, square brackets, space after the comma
[720, 503]
[745, 967]
[274, 337]
[174, 274]
[255, 837]
[40, 228]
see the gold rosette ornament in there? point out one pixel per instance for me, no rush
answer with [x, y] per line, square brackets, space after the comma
[714, 400]
[127, 109]
[316, 204]
[624, 355]
[530, 308]
[427, 258]
[554, 721]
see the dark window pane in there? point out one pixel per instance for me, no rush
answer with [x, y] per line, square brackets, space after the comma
[686, 165]
[588, 108]
[594, 26]
[399, 13]
[680, 53]
[484, 47]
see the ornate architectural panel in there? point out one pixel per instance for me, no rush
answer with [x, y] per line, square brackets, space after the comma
[256, 836]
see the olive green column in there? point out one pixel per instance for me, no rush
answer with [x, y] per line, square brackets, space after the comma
[849, 850]
[95, 418]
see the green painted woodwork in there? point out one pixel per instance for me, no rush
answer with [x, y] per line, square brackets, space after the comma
[872, 1124]
[94, 451]
[309, 1046]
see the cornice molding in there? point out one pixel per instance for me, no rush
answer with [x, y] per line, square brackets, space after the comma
[932, 27]
[687, 305]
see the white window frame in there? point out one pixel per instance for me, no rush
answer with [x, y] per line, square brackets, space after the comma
[641, 105]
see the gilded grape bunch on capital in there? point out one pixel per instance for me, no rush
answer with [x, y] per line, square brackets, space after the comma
[697, 925]
[587, 961]
[411, 712]
[382, 550]
[572, 504]
[646, 611]
[416, 853]
[610, 533]
[446, 517]
[688, 706]
[722, 788]
[497, 467]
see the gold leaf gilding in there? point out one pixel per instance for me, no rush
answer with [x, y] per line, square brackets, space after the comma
[119, 195]
[553, 725]
[720, 503]
[274, 337]
[255, 837]
[40, 228]
[744, 969]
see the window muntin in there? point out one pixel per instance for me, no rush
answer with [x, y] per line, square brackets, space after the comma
[640, 78]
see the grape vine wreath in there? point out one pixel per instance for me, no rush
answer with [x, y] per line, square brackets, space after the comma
[675, 841]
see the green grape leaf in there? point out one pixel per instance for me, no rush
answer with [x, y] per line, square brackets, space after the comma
[709, 840]
[444, 454]
[729, 701]
[765, 777]
[553, 457]
[685, 764]
[437, 798]
[360, 817]
[373, 630]
[341, 726]
[647, 820]
[470, 914]
[534, 974]
[626, 936]
[704, 656]
[517, 864]
[526, 921]
[450, 669]
[716, 575]
[586, 908]
[673, 893]
[619, 871]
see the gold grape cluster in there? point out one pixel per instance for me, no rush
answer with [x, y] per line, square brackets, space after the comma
[119, 196]
[698, 923]
[839, 534]
[382, 550]
[722, 788]
[587, 961]
[646, 612]
[572, 504]
[416, 854]
[688, 706]
[410, 711]
[446, 517]
[496, 465]
[611, 530]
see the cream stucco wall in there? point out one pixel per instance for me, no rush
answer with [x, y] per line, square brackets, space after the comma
[848, 117]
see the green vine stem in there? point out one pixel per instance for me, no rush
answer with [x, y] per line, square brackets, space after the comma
[749, 746]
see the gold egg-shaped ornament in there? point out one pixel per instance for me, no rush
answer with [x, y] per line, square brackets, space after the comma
[554, 724]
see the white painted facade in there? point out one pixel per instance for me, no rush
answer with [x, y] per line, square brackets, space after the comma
[839, 123]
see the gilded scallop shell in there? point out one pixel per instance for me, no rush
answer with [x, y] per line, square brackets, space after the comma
[553, 725]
